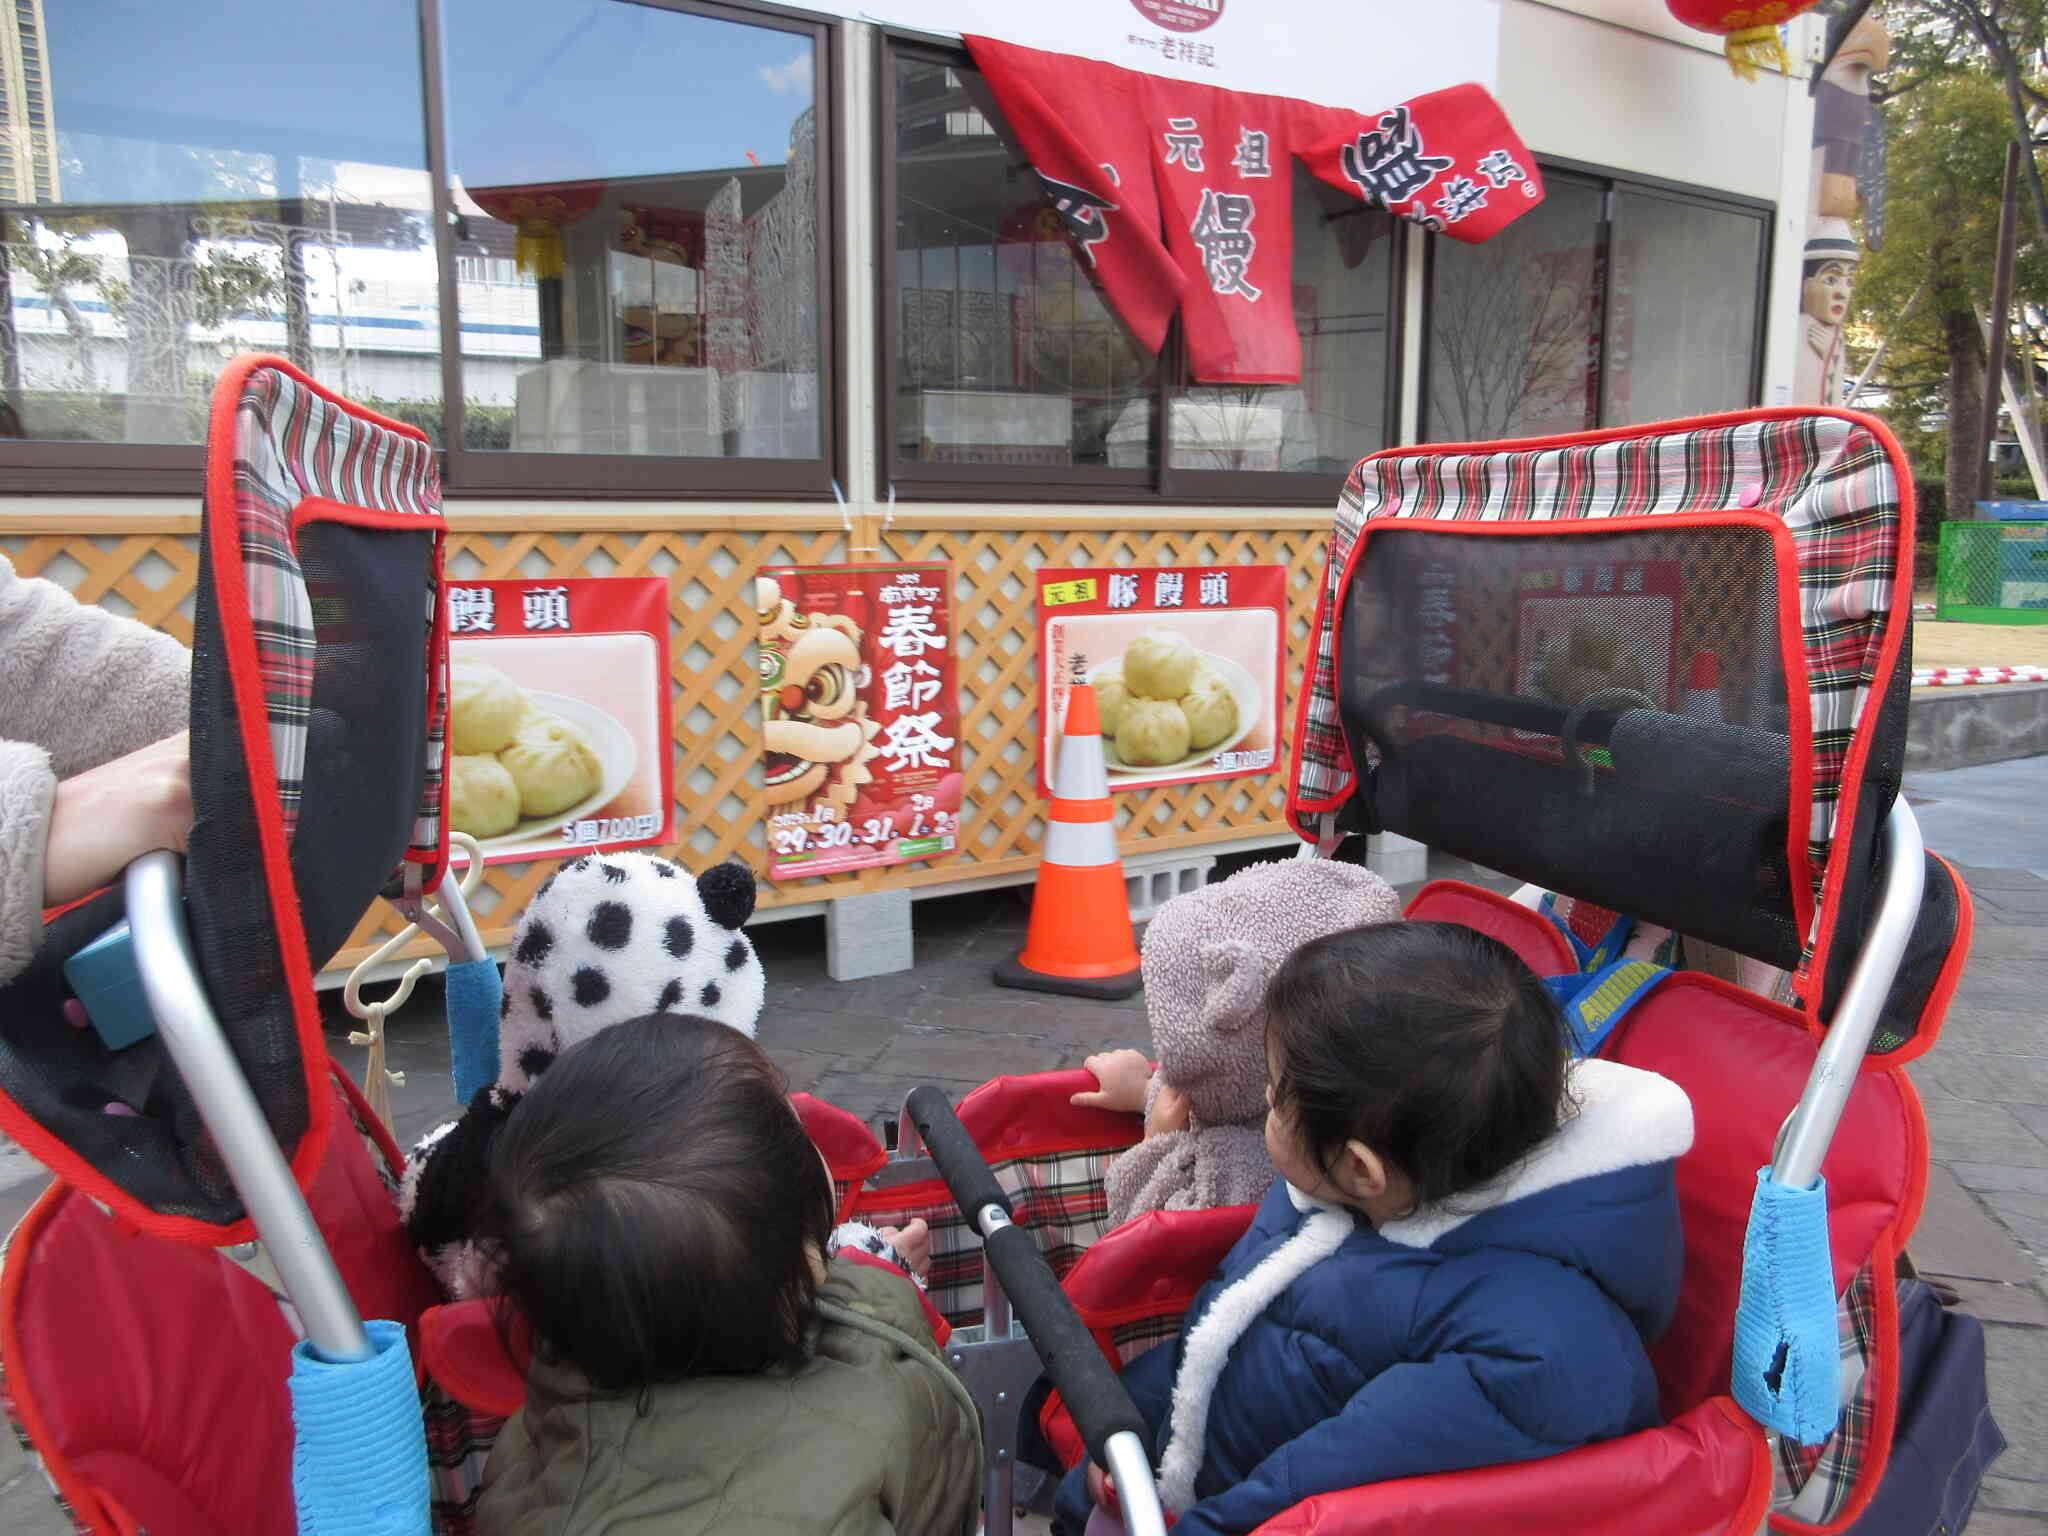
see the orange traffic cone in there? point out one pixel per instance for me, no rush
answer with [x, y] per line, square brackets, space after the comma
[1080, 942]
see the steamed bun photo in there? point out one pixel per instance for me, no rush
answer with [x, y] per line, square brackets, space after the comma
[484, 706]
[510, 761]
[1160, 701]
[553, 764]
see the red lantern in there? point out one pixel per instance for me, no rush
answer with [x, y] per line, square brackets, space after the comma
[540, 212]
[1751, 27]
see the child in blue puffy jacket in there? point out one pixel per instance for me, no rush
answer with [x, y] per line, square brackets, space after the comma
[1469, 1246]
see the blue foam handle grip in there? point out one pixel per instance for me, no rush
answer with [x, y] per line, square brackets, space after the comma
[474, 990]
[359, 1456]
[1788, 1349]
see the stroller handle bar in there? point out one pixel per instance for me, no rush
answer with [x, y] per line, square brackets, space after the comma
[1803, 1142]
[186, 1023]
[1103, 1412]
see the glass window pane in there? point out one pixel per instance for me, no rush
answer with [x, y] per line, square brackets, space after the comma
[178, 188]
[1006, 350]
[1512, 324]
[637, 260]
[1681, 325]
[1343, 260]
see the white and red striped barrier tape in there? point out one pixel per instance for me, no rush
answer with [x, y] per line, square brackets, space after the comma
[1971, 677]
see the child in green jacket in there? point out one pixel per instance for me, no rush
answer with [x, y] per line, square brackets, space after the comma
[659, 1217]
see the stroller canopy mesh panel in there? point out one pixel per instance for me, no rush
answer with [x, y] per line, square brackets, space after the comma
[1661, 668]
[318, 705]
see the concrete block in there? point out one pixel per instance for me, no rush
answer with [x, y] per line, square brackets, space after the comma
[1958, 727]
[1395, 859]
[867, 935]
[1150, 885]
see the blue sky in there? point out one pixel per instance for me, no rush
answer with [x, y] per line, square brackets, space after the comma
[539, 90]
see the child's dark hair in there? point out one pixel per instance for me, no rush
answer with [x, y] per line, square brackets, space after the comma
[654, 1205]
[1431, 1043]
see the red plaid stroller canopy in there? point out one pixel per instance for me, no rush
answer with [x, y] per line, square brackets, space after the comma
[1684, 698]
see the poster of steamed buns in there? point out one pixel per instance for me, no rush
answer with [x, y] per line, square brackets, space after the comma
[558, 715]
[1186, 665]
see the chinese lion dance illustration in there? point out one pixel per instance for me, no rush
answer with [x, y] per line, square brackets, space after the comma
[816, 736]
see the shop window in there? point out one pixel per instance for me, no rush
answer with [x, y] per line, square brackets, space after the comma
[1686, 281]
[1001, 353]
[637, 194]
[175, 191]
[1610, 304]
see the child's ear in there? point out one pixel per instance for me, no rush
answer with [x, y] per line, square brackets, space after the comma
[1360, 1173]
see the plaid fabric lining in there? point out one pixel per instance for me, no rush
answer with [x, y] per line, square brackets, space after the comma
[1812, 1484]
[1134, 1338]
[290, 444]
[459, 1442]
[1059, 1197]
[1829, 477]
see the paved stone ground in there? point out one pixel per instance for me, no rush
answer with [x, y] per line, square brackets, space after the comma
[863, 1044]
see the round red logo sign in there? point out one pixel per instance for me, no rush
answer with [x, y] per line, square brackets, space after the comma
[1180, 15]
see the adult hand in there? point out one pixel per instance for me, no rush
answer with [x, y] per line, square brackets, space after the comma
[107, 817]
[1169, 1111]
[1121, 1078]
[913, 1244]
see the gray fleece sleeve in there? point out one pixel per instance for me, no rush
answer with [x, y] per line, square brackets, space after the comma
[79, 686]
[84, 684]
[26, 785]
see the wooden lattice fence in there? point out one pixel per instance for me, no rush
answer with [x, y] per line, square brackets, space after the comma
[146, 565]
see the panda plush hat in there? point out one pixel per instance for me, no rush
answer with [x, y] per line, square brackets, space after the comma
[618, 936]
[609, 937]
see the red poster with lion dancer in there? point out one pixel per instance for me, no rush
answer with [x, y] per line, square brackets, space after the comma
[860, 716]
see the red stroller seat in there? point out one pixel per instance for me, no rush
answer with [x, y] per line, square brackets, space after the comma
[148, 1375]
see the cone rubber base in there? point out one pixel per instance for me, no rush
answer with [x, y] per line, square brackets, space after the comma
[1106, 989]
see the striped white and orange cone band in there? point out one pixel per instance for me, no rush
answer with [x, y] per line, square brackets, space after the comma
[1081, 941]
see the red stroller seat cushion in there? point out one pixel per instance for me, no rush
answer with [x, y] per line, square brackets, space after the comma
[1744, 1060]
[1528, 933]
[150, 1376]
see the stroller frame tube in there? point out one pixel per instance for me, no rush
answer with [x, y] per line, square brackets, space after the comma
[191, 1033]
[1803, 1142]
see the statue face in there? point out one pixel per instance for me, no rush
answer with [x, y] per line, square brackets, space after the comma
[1826, 294]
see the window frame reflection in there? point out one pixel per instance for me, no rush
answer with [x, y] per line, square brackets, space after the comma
[1609, 188]
[513, 473]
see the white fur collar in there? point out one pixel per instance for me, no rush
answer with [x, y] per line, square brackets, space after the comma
[1626, 1118]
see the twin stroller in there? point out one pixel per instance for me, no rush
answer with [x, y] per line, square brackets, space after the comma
[1498, 670]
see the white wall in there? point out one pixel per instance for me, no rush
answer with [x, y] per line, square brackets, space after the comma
[1645, 95]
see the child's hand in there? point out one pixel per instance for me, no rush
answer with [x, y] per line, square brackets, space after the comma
[1169, 1111]
[1102, 1490]
[913, 1244]
[1121, 1078]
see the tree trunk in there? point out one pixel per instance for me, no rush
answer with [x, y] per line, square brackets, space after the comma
[1966, 378]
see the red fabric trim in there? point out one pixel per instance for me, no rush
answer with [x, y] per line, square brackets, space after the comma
[1884, 1423]
[1935, 1012]
[1334, 802]
[1756, 1504]
[1898, 625]
[84, 1499]
[241, 367]
[1643, 429]
[246, 678]
[324, 509]
[1540, 934]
